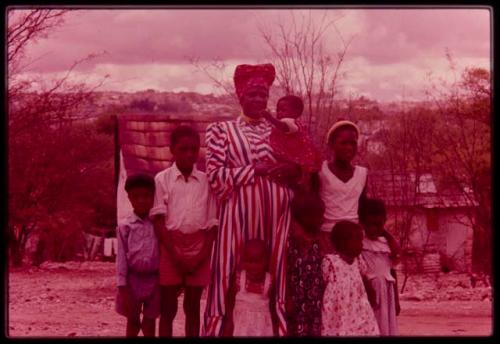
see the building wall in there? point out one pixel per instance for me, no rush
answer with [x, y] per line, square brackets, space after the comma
[123, 206]
[438, 236]
[458, 238]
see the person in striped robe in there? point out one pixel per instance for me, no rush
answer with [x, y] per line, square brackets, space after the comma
[254, 194]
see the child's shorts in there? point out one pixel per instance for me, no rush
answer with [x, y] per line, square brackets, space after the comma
[148, 306]
[169, 275]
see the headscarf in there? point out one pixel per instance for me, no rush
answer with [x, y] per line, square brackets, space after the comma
[339, 124]
[247, 76]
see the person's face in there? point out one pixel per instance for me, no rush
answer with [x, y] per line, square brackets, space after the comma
[353, 246]
[254, 101]
[344, 144]
[374, 226]
[185, 152]
[254, 262]
[142, 200]
[285, 109]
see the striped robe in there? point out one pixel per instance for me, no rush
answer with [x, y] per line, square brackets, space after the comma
[250, 207]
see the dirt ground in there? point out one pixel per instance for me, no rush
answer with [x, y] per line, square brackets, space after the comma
[77, 299]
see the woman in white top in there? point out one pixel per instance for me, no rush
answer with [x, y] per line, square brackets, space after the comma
[343, 184]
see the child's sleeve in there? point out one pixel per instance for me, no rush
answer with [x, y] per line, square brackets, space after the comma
[328, 270]
[223, 180]
[161, 198]
[121, 256]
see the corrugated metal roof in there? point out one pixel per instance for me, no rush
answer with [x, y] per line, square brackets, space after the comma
[144, 139]
[401, 190]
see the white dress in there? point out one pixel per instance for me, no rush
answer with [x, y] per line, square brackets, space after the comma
[341, 198]
[346, 310]
[251, 314]
[376, 254]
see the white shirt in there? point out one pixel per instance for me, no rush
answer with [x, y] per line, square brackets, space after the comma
[188, 206]
[341, 199]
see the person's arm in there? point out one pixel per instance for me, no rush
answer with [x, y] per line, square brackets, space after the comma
[159, 210]
[396, 291]
[393, 245]
[223, 179]
[285, 172]
[122, 265]
[121, 256]
[276, 122]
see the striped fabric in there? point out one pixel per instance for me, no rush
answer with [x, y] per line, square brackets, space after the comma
[251, 207]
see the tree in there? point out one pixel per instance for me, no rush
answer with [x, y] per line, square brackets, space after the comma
[463, 150]
[306, 67]
[51, 152]
[406, 157]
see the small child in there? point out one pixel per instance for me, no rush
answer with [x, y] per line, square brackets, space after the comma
[137, 260]
[304, 279]
[342, 184]
[247, 312]
[185, 223]
[289, 139]
[380, 252]
[346, 310]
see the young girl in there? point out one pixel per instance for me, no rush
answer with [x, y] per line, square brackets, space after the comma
[380, 252]
[346, 310]
[342, 183]
[289, 139]
[248, 312]
[304, 280]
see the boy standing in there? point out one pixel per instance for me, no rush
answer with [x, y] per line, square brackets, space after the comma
[185, 223]
[137, 260]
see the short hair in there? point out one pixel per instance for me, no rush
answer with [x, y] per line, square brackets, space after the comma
[371, 206]
[343, 230]
[296, 102]
[140, 180]
[182, 131]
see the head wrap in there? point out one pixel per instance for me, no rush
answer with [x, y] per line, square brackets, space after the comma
[246, 76]
[339, 124]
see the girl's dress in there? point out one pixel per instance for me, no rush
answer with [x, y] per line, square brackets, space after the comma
[376, 254]
[346, 310]
[306, 288]
[251, 314]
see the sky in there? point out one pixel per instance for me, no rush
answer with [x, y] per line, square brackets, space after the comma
[391, 54]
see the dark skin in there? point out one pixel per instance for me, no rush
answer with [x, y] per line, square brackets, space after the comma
[284, 109]
[351, 248]
[142, 200]
[185, 152]
[344, 145]
[253, 103]
[374, 226]
[255, 264]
